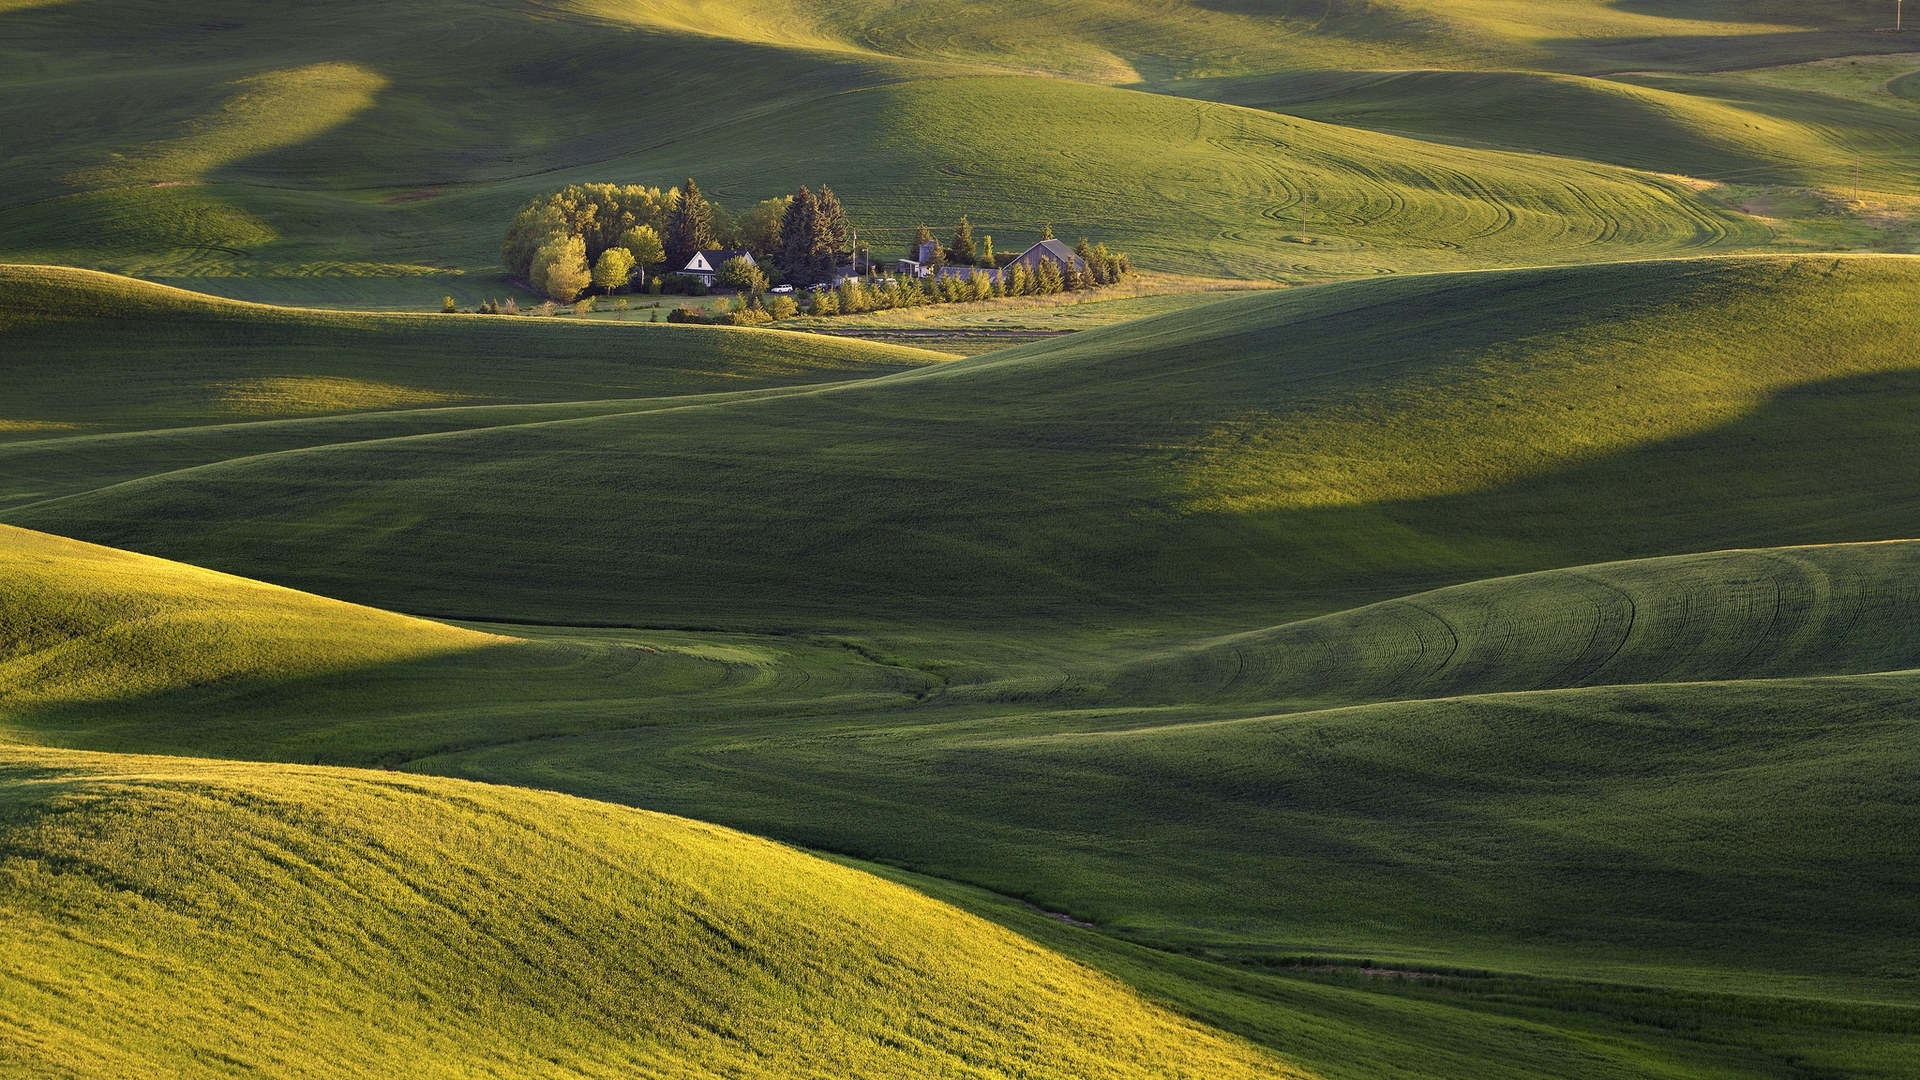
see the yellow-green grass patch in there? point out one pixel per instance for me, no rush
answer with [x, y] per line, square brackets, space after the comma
[168, 917]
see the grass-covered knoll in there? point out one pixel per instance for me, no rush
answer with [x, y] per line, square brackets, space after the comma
[87, 352]
[1195, 187]
[1712, 129]
[175, 918]
[1275, 455]
[1673, 840]
[1131, 41]
[390, 162]
[1771, 613]
[85, 624]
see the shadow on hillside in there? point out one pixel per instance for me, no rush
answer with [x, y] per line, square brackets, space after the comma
[1595, 56]
[1827, 462]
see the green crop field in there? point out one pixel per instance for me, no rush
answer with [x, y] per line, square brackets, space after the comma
[1453, 614]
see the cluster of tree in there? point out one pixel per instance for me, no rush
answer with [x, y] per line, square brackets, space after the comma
[1096, 267]
[603, 235]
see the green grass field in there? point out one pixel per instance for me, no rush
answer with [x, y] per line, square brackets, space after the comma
[296, 172]
[1225, 466]
[1454, 616]
[309, 912]
[983, 647]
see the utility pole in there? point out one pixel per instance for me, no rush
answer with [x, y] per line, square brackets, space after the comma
[1898, 12]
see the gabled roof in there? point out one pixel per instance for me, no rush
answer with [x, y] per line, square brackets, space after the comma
[710, 262]
[1050, 249]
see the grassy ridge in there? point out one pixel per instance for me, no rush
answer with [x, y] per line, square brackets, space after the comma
[167, 917]
[1229, 466]
[84, 624]
[388, 164]
[1675, 840]
[181, 358]
[1691, 618]
[1711, 129]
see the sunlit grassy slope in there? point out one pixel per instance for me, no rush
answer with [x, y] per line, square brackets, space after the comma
[175, 918]
[301, 150]
[180, 358]
[1234, 464]
[1674, 839]
[1771, 613]
[80, 623]
[1713, 129]
[1126, 41]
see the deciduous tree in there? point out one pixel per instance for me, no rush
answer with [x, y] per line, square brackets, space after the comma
[613, 269]
[560, 268]
[644, 245]
[741, 273]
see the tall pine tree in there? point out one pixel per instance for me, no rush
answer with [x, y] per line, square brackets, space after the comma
[797, 227]
[691, 227]
[834, 222]
[962, 253]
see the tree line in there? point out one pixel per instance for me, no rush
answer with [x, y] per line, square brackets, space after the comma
[606, 235]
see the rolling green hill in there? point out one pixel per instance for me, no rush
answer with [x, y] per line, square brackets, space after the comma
[1736, 615]
[1228, 466]
[1709, 129]
[1672, 839]
[179, 358]
[307, 154]
[87, 624]
[176, 918]
[1503, 666]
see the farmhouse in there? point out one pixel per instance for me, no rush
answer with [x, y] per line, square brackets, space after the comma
[1049, 249]
[706, 265]
[922, 265]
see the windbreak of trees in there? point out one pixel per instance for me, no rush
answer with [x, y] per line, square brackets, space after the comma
[606, 236]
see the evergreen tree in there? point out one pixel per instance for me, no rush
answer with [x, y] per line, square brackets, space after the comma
[1049, 278]
[833, 221]
[1046, 231]
[806, 245]
[691, 227]
[962, 253]
[986, 252]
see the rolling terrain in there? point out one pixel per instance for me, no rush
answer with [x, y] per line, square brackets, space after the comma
[1454, 617]
[1226, 466]
[313, 156]
[305, 910]
[1619, 785]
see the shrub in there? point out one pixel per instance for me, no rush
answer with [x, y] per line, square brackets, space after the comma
[583, 306]
[686, 313]
[447, 306]
[741, 273]
[782, 307]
